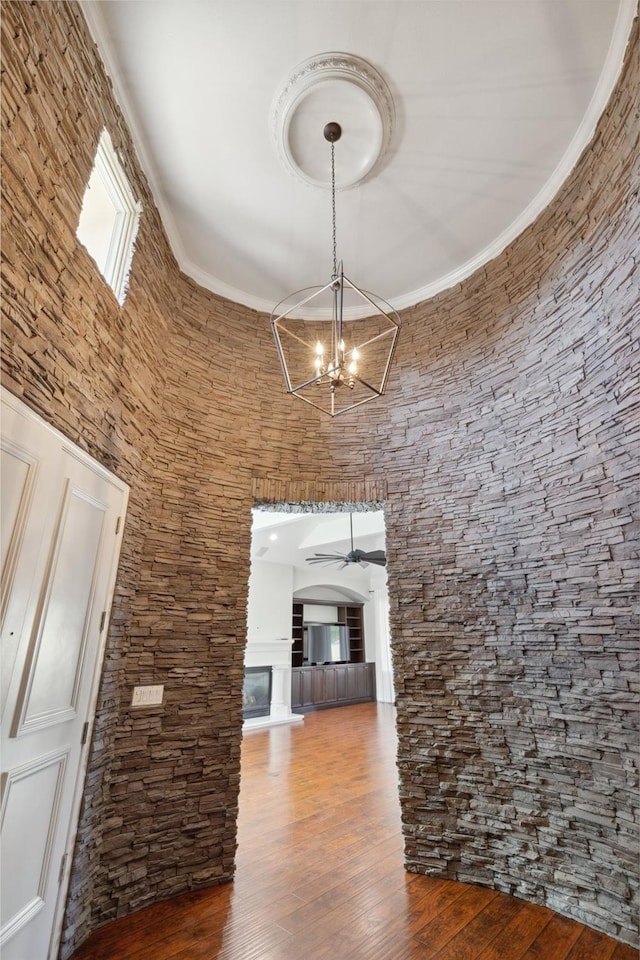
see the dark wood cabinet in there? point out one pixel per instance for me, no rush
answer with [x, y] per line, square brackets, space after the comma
[332, 685]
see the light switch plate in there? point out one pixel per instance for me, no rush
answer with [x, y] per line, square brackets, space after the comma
[148, 696]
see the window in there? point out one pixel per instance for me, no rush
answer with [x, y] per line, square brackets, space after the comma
[109, 218]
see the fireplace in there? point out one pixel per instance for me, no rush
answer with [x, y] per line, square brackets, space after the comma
[272, 659]
[256, 692]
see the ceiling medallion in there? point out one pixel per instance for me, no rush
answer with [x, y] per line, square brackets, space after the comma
[350, 91]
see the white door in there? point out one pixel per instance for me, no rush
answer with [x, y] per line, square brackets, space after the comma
[62, 520]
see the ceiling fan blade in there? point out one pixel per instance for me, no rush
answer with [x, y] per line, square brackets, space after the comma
[334, 556]
[377, 557]
[326, 558]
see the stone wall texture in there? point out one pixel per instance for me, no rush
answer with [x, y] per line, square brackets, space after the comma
[504, 452]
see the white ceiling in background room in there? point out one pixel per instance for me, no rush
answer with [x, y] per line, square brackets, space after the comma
[493, 102]
[291, 538]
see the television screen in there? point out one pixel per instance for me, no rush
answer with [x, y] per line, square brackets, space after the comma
[327, 643]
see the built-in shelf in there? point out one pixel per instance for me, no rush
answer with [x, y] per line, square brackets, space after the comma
[297, 632]
[352, 618]
[347, 616]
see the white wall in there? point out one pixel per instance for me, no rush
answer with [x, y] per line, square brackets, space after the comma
[380, 638]
[347, 584]
[269, 609]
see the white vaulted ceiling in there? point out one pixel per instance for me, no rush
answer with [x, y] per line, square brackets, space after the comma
[494, 102]
[290, 538]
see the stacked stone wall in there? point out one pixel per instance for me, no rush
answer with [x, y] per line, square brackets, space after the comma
[503, 451]
[172, 393]
[510, 442]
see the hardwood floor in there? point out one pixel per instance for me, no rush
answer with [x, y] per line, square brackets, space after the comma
[320, 877]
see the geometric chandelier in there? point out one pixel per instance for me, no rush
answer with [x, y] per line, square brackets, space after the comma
[335, 341]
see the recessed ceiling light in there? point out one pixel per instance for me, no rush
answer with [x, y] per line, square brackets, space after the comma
[273, 536]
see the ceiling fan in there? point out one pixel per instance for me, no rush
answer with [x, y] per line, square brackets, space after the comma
[361, 557]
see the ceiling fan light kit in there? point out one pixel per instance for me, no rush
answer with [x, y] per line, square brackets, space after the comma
[335, 341]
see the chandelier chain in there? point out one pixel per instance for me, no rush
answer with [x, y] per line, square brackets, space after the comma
[333, 207]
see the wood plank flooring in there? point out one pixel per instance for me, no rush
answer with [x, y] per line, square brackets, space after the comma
[320, 876]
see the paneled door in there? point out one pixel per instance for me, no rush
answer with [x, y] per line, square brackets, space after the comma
[62, 521]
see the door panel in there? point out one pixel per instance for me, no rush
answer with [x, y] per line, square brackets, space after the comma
[27, 838]
[306, 692]
[17, 471]
[62, 625]
[62, 510]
